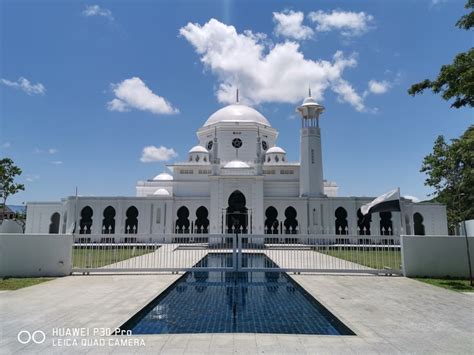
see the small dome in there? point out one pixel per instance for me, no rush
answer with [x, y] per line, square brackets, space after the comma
[161, 192]
[309, 101]
[237, 113]
[275, 150]
[198, 149]
[236, 164]
[163, 176]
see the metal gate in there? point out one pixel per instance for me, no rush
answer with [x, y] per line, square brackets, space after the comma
[283, 253]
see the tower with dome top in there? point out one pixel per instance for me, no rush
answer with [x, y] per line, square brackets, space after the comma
[311, 169]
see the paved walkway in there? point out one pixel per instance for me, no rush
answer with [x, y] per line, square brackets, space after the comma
[388, 314]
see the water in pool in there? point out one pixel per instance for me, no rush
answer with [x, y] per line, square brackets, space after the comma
[235, 302]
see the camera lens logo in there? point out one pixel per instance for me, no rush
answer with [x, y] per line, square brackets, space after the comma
[37, 337]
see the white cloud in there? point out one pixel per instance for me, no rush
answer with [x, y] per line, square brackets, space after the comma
[52, 150]
[133, 93]
[96, 10]
[290, 24]
[413, 198]
[435, 3]
[153, 154]
[6, 145]
[56, 162]
[38, 151]
[379, 87]
[280, 73]
[348, 23]
[25, 85]
[32, 178]
[347, 94]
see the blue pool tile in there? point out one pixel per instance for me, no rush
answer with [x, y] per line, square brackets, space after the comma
[235, 302]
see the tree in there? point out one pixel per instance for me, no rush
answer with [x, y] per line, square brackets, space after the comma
[450, 172]
[454, 80]
[8, 172]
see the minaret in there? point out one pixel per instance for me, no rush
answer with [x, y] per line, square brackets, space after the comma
[311, 168]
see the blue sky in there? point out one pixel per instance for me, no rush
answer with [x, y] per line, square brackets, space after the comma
[103, 80]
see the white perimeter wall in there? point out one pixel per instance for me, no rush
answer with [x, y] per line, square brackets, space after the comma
[436, 256]
[28, 255]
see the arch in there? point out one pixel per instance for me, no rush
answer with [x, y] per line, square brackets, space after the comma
[202, 222]
[363, 223]
[418, 226]
[54, 225]
[386, 225]
[131, 222]
[341, 221]
[108, 223]
[291, 223]
[237, 213]
[85, 224]
[182, 223]
[271, 221]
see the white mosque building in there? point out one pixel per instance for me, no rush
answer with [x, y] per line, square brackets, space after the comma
[236, 177]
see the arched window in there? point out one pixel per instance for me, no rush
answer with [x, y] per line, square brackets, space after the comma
[131, 222]
[182, 223]
[108, 223]
[85, 224]
[271, 221]
[202, 222]
[291, 223]
[386, 226]
[341, 221]
[363, 223]
[418, 224]
[237, 213]
[54, 225]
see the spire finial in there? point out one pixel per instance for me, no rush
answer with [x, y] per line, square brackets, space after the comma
[237, 95]
[309, 90]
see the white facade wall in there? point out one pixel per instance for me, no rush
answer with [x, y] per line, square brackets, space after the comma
[35, 255]
[436, 256]
[39, 216]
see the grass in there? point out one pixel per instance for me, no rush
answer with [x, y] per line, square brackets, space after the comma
[453, 284]
[93, 257]
[376, 259]
[15, 283]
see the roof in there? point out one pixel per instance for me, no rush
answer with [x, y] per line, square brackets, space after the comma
[237, 113]
[236, 164]
[198, 149]
[163, 176]
[276, 150]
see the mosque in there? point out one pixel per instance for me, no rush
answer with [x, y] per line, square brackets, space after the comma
[236, 179]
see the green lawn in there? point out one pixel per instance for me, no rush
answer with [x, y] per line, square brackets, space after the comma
[460, 285]
[93, 257]
[15, 283]
[376, 259]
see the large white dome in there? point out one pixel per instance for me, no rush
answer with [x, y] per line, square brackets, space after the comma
[237, 113]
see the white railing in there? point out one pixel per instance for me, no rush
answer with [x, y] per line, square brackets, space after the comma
[187, 252]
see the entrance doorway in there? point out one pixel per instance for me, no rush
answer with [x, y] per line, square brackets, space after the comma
[237, 213]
